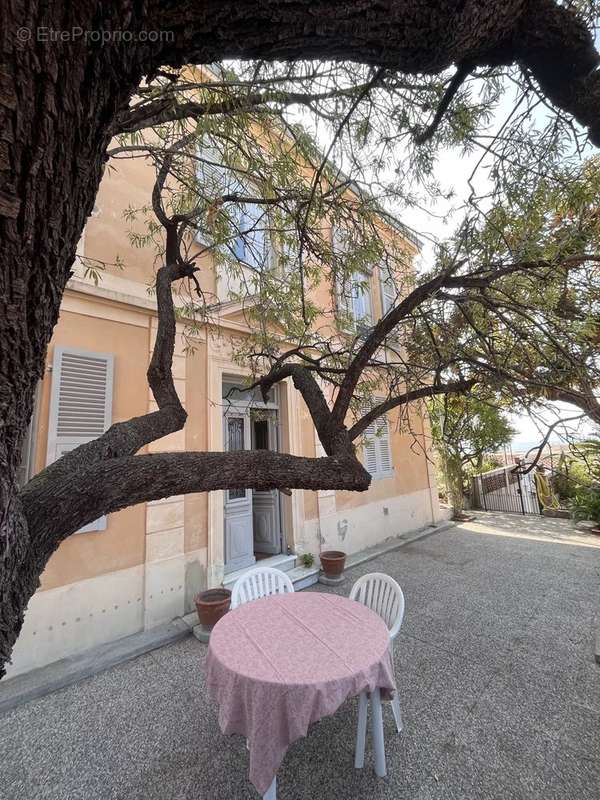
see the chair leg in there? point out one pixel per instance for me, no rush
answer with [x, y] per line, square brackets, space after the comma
[377, 734]
[271, 791]
[396, 700]
[361, 731]
[396, 712]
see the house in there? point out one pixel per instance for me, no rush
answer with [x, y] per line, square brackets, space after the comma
[141, 567]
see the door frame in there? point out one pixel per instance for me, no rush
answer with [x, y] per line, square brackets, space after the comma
[220, 367]
[243, 407]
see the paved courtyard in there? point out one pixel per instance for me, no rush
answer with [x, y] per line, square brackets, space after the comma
[495, 664]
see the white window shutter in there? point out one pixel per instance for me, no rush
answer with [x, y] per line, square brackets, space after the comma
[370, 449]
[213, 175]
[384, 452]
[80, 404]
[377, 450]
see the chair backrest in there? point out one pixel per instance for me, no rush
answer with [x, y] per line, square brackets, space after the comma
[383, 595]
[260, 582]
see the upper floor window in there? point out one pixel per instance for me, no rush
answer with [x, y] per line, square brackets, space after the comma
[247, 223]
[389, 291]
[354, 298]
[353, 292]
[362, 306]
[250, 243]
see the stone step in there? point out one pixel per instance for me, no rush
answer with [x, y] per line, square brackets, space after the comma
[303, 577]
[282, 562]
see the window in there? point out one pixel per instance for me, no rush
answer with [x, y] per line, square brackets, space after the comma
[236, 440]
[80, 404]
[389, 294]
[377, 450]
[250, 245]
[249, 222]
[354, 299]
[353, 293]
[361, 298]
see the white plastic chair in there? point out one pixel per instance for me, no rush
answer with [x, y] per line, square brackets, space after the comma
[383, 595]
[260, 582]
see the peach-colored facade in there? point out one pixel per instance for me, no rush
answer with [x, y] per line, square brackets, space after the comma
[144, 568]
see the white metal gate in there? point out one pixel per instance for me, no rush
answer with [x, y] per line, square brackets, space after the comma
[506, 489]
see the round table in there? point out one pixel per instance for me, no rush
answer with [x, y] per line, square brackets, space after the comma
[278, 664]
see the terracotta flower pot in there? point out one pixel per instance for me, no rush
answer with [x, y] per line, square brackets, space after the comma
[212, 605]
[333, 562]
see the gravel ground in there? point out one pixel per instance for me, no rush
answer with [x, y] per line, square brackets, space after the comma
[495, 665]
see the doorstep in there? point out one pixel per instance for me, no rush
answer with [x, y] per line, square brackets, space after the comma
[282, 562]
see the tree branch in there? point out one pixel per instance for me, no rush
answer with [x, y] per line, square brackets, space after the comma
[333, 436]
[456, 387]
[547, 38]
[104, 487]
[457, 80]
[544, 442]
[170, 108]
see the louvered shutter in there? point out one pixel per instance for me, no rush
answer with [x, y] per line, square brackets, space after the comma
[370, 449]
[80, 404]
[377, 451]
[384, 453]
[214, 177]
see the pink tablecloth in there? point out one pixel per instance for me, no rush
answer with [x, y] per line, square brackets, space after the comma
[278, 664]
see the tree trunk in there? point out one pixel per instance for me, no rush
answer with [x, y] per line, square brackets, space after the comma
[59, 100]
[57, 103]
[455, 483]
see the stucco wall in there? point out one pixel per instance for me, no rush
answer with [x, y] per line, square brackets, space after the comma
[121, 545]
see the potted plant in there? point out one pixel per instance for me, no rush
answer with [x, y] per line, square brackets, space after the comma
[211, 605]
[332, 564]
[586, 506]
[307, 560]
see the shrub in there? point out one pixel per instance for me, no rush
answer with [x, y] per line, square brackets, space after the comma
[586, 504]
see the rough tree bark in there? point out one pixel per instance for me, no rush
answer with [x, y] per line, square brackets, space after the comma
[58, 103]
